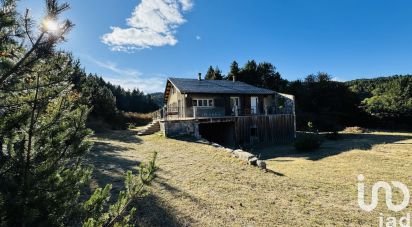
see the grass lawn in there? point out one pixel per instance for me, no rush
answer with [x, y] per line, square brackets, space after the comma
[199, 185]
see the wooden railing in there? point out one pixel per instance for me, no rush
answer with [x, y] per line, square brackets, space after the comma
[210, 112]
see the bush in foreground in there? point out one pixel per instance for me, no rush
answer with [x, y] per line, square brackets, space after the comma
[307, 142]
[99, 212]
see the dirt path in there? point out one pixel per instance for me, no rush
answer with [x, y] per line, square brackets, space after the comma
[199, 185]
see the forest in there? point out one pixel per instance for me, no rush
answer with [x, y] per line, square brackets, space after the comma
[112, 106]
[383, 102]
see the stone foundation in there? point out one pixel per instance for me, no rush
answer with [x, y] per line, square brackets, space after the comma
[179, 128]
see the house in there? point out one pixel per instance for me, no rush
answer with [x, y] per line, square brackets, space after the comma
[228, 112]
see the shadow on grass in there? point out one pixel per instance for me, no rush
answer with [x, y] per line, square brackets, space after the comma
[109, 166]
[276, 173]
[152, 212]
[125, 136]
[176, 192]
[329, 148]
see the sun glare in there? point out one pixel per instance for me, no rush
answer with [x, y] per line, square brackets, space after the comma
[51, 26]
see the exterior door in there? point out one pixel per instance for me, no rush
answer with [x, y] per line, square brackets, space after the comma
[235, 105]
[254, 105]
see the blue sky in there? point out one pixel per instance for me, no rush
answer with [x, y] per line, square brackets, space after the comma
[138, 43]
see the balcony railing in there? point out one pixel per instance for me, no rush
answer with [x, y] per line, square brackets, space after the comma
[210, 112]
[202, 112]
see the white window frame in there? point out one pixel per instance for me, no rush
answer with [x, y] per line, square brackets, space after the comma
[209, 103]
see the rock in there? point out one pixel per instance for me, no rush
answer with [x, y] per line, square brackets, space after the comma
[261, 164]
[216, 145]
[243, 155]
[203, 141]
[236, 152]
[252, 161]
[228, 150]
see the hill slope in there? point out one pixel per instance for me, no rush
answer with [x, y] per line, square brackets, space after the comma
[199, 185]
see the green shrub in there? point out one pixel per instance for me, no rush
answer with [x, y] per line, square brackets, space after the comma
[307, 142]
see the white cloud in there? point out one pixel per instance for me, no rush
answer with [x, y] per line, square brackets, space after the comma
[131, 78]
[186, 4]
[337, 79]
[146, 85]
[153, 24]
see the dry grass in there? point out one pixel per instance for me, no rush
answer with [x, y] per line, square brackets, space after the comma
[354, 129]
[199, 185]
[137, 119]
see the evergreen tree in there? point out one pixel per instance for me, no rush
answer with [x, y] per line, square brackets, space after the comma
[270, 78]
[249, 74]
[98, 212]
[218, 74]
[213, 74]
[234, 71]
[210, 73]
[42, 123]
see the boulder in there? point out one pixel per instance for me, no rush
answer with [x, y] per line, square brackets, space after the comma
[236, 152]
[204, 141]
[261, 164]
[243, 155]
[216, 145]
[252, 161]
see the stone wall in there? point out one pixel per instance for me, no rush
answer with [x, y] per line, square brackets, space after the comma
[177, 128]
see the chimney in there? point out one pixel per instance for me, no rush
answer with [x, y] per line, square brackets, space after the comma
[234, 78]
[199, 77]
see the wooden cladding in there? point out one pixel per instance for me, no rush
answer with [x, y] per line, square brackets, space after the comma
[265, 129]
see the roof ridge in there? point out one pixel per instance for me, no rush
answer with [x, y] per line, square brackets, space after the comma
[215, 86]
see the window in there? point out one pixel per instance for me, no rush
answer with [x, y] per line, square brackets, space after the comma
[203, 102]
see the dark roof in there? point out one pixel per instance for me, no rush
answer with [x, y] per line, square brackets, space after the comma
[187, 86]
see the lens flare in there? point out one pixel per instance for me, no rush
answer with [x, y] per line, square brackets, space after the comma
[51, 26]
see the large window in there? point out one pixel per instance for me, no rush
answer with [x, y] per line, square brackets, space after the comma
[203, 102]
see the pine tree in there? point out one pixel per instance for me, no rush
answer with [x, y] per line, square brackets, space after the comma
[270, 78]
[234, 71]
[249, 73]
[42, 123]
[121, 212]
[213, 74]
[210, 73]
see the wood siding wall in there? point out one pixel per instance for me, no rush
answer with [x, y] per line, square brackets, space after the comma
[270, 129]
